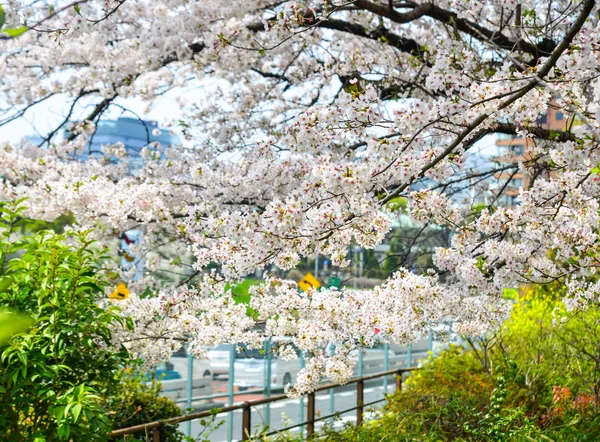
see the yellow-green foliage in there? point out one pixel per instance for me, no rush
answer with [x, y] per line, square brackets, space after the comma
[550, 347]
[456, 372]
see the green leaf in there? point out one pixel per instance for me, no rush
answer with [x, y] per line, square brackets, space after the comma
[11, 324]
[15, 32]
[2, 16]
[59, 413]
[76, 411]
[64, 431]
[397, 204]
[77, 9]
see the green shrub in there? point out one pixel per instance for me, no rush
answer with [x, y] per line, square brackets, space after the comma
[451, 398]
[52, 375]
[133, 402]
[60, 377]
[555, 356]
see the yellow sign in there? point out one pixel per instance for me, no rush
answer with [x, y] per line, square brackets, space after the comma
[308, 282]
[121, 292]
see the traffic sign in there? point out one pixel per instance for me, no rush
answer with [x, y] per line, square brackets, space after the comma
[121, 292]
[308, 282]
[334, 282]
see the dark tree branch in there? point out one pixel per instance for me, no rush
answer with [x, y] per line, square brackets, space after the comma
[98, 109]
[542, 49]
[407, 45]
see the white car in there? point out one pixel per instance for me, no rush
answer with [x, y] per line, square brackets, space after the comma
[250, 368]
[201, 367]
[219, 360]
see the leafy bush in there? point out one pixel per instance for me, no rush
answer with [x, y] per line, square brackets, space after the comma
[451, 398]
[133, 402]
[555, 356]
[53, 374]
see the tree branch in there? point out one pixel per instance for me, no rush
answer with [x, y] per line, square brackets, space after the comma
[542, 49]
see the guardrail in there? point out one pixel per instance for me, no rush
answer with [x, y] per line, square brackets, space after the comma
[246, 407]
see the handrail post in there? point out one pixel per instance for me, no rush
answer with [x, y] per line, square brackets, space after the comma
[301, 401]
[386, 365]
[399, 380]
[360, 400]
[230, 379]
[332, 394]
[246, 423]
[310, 426]
[157, 434]
[267, 369]
[189, 390]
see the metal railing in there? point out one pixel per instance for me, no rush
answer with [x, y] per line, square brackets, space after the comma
[156, 427]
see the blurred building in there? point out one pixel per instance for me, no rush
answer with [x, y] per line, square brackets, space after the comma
[512, 149]
[133, 133]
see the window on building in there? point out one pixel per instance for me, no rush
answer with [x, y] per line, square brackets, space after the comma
[560, 116]
[508, 200]
[542, 119]
[516, 183]
[517, 149]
